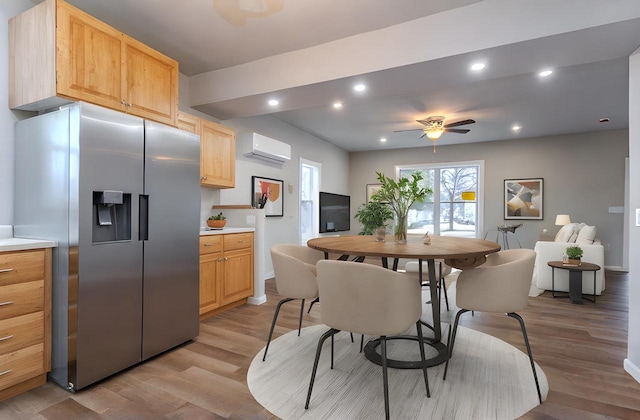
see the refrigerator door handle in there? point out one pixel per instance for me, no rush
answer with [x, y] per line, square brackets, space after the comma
[143, 219]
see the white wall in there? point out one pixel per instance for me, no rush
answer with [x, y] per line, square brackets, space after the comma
[334, 174]
[8, 9]
[583, 175]
[632, 363]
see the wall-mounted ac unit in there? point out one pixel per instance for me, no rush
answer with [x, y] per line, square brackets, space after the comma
[264, 148]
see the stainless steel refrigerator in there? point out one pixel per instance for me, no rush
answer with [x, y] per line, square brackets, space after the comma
[121, 195]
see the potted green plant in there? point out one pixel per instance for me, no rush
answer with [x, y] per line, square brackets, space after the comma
[217, 221]
[574, 253]
[401, 195]
[373, 217]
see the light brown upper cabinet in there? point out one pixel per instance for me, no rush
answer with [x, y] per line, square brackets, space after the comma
[217, 150]
[217, 156]
[69, 55]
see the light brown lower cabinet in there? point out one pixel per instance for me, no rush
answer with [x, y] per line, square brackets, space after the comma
[226, 271]
[25, 320]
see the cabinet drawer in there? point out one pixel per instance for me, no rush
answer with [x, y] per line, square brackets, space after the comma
[210, 244]
[238, 241]
[21, 298]
[21, 365]
[21, 331]
[21, 266]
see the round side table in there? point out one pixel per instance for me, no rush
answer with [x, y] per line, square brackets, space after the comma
[575, 280]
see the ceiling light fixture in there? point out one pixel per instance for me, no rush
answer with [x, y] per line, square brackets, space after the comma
[359, 87]
[383, 140]
[478, 66]
[274, 102]
[516, 127]
[545, 73]
[337, 105]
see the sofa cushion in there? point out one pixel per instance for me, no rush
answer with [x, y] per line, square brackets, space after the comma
[564, 234]
[586, 235]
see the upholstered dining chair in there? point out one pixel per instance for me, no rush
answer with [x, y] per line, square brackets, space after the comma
[295, 272]
[442, 270]
[500, 285]
[371, 300]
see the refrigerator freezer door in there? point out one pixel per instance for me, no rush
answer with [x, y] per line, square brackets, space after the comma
[105, 297]
[171, 270]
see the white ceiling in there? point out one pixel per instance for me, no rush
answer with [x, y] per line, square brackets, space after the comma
[412, 54]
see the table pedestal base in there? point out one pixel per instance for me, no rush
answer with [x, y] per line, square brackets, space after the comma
[371, 353]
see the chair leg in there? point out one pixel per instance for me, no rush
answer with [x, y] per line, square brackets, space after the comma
[423, 358]
[444, 289]
[351, 335]
[313, 302]
[385, 380]
[332, 352]
[526, 342]
[453, 340]
[300, 320]
[273, 324]
[321, 341]
[361, 342]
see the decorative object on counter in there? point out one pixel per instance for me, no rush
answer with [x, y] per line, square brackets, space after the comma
[266, 193]
[401, 195]
[373, 217]
[426, 239]
[574, 254]
[217, 221]
[523, 199]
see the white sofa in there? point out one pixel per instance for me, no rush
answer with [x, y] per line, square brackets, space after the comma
[553, 251]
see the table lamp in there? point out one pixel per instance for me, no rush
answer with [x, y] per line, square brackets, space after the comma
[562, 219]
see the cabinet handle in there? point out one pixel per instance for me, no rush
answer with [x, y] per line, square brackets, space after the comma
[203, 178]
[6, 270]
[226, 259]
[219, 260]
[207, 244]
[5, 372]
[240, 241]
[9, 302]
[6, 338]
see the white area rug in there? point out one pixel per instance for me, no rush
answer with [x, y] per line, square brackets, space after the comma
[487, 379]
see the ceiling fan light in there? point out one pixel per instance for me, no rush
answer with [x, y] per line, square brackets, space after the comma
[434, 134]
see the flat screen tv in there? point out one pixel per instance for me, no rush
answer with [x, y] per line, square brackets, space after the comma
[335, 212]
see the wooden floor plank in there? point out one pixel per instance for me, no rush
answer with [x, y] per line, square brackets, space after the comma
[581, 348]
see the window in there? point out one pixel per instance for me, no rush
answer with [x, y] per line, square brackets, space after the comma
[445, 212]
[309, 192]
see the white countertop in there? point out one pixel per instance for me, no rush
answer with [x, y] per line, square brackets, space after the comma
[225, 230]
[20, 244]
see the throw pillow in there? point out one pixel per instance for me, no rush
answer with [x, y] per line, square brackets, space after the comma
[565, 232]
[586, 236]
[574, 235]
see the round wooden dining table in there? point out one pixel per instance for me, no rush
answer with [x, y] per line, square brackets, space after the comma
[461, 253]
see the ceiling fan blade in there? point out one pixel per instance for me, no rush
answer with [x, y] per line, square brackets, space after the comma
[456, 124]
[457, 130]
[413, 129]
[422, 136]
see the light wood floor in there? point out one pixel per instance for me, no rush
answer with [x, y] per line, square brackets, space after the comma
[580, 348]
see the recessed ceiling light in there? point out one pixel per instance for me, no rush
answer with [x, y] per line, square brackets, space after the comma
[274, 102]
[359, 87]
[516, 127]
[478, 66]
[545, 73]
[337, 105]
[383, 140]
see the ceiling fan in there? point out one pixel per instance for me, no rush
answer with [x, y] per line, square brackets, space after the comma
[434, 127]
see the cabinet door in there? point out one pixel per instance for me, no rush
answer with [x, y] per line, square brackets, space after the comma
[151, 82]
[188, 122]
[210, 282]
[237, 278]
[89, 58]
[217, 156]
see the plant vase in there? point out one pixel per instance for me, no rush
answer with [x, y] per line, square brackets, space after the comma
[572, 261]
[217, 224]
[401, 229]
[380, 234]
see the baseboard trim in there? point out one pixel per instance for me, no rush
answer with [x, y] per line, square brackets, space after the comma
[252, 300]
[616, 268]
[632, 369]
